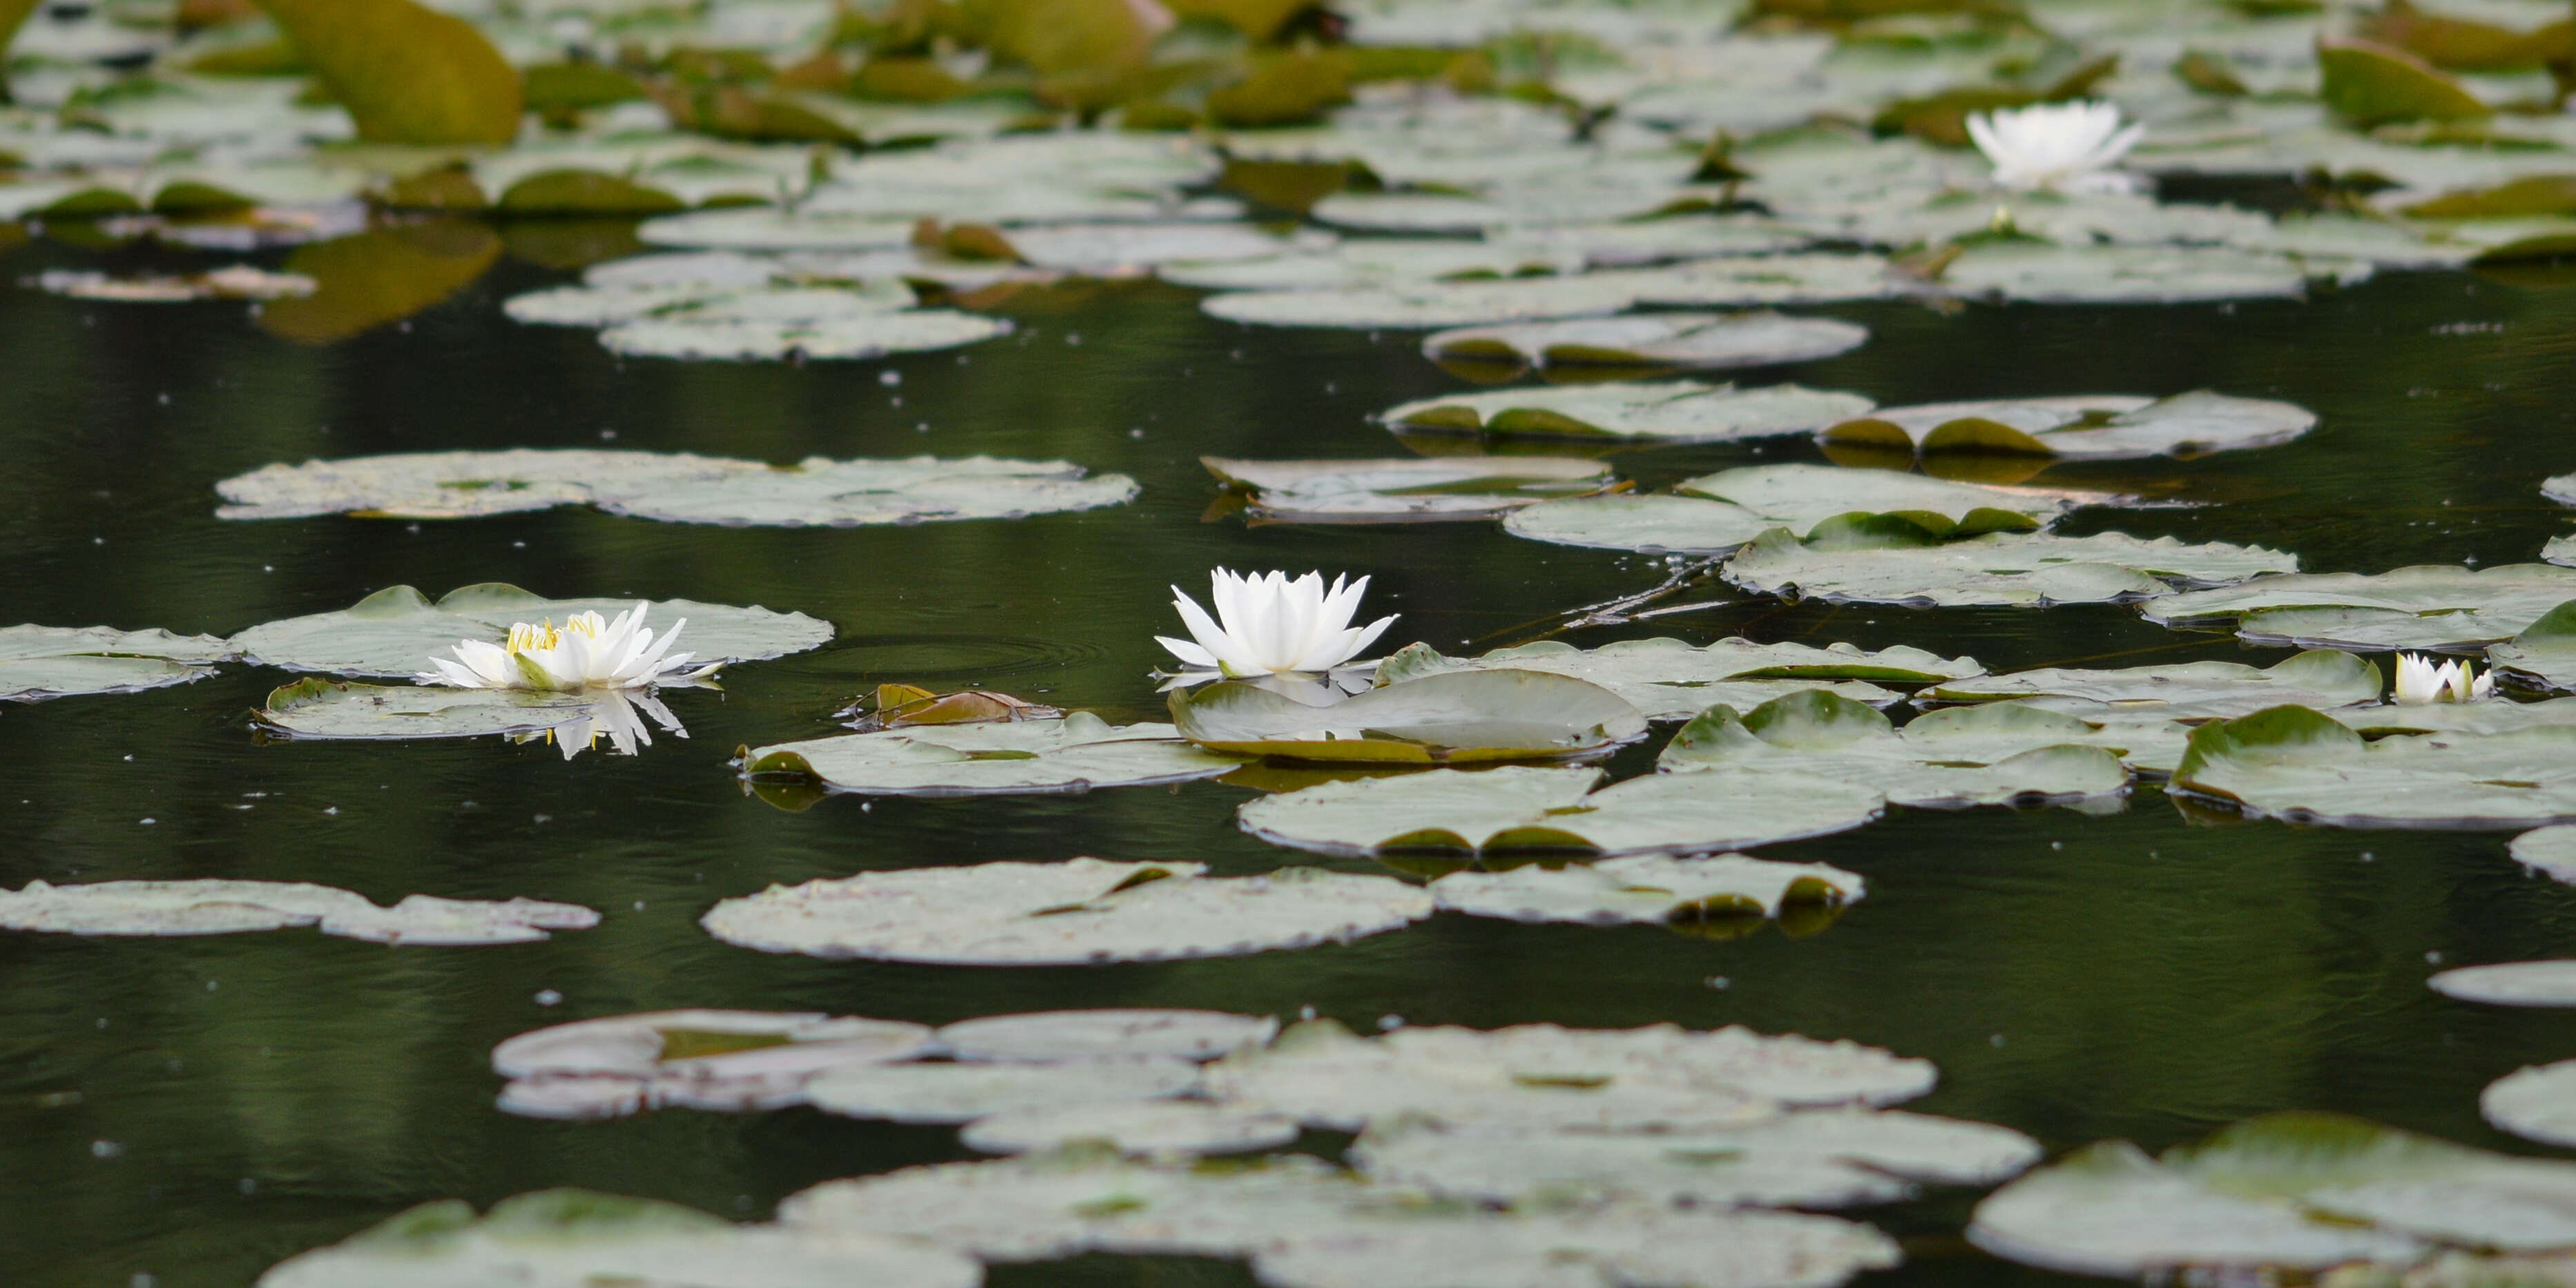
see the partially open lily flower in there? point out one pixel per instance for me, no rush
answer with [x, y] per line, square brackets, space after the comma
[615, 714]
[1268, 625]
[2420, 682]
[2062, 147]
[586, 652]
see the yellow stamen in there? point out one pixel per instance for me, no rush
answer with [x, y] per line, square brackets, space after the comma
[525, 638]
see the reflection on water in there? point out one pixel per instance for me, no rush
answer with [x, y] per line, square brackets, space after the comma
[615, 714]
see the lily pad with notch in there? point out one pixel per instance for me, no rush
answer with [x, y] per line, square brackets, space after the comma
[1667, 341]
[2082, 427]
[2427, 606]
[1073, 754]
[1879, 563]
[1455, 717]
[395, 631]
[2290, 762]
[219, 907]
[1680, 411]
[42, 662]
[1405, 489]
[727, 1061]
[1669, 679]
[1966, 758]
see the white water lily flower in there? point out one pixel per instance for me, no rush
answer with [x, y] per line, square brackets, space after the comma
[2063, 147]
[586, 652]
[1267, 625]
[614, 715]
[2420, 682]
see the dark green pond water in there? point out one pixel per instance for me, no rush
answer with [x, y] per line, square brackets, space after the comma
[2147, 974]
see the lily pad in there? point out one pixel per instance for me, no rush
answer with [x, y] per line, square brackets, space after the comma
[2550, 851]
[1405, 488]
[1074, 754]
[1998, 569]
[1680, 411]
[215, 907]
[2542, 655]
[1647, 1247]
[1650, 524]
[1719, 512]
[2293, 763]
[2042, 274]
[677, 488]
[1149, 1127]
[2536, 1103]
[407, 74]
[1532, 810]
[867, 335]
[1686, 340]
[2542, 983]
[1669, 679]
[2373, 84]
[2086, 427]
[41, 662]
[729, 1061]
[1970, 758]
[1073, 1035]
[395, 631]
[1453, 718]
[2318, 678]
[1064, 914]
[1743, 281]
[2428, 606]
[943, 1092]
[1646, 889]
[1408, 306]
[316, 708]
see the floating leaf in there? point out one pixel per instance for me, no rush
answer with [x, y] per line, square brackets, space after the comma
[1405, 488]
[2550, 851]
[213, 907]
[899, 706]
[318, 708]
[2293, 763]
[1426, 304]
[1650, 1248]
[1691, 340]
[1997, 569]
[2088, 427]
[2043, 274]
[382, 275]
[395, 631]
[2427, 606]
[2545, 983]
[40, 662]
[407, 74]
[1453, 718]
[1079, 1035]
[1064, 914]
[2543, 654]
[2318, 678]
[866, 335]
[233, 282]
[1651, 524]
[960, 1093]
[1150, 1127]
[1074, 754]
[1967, 758]
[1680, 411]
[2536, 1102]
[2371, 84]
[727, 1061]
[1652, 889]
[1720, 512]
[1671, 680]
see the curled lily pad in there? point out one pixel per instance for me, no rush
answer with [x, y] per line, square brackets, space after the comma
[2044, 274]
[677, 488]
[40, 662]
[1074, 754]
[701, 1059]
[1965, 759]
[1529, 810]
[2542, 655]
[1146, 1127]
[2423, 607]
[1064, 914]
[1405, 488]
[212, 907]
[947, 1092]
[1997, 569]
[1453, 718]
[2550, 851]
[2543, 983]
[2318, 678]
[1680, 411]
[395, 631]
[1073, 1035]
[1671, 680]
[2536, 1103]
[2085, 427]
[1682, 340]
[2293, 763]
[1647, 888]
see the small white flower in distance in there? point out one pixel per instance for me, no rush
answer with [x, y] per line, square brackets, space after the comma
[1269, 625]
[587, 652]
[2064, 147]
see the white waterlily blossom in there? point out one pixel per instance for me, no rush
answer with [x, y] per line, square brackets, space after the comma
[2064, 147]
[586, 652]
[1269, 625]
[2420, 682]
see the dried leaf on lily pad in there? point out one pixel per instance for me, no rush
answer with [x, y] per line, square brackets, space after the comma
[1459, 717]
[731, 1061]
[1075, 1035]
[40, 662]
[1074, 754]
[566, 1237]
[2541, 983]
[214, 907]
[2537, 1102]
[2318, 678]
[1968, 758]
[1680, 340]
[2283, 1192]
[1520, 809]
[1650, 889]
[2427, 606]
[1998, 569]
[952, 1092]
[1064, 914]
[395, 631]
[2550, 851]
[1405, 488]
[2295, 764]
[675, 487]
[898, 706]
[1669, 679]
[1153, 1128]
[1680, 411]
[2083, 427]
[2542, 655]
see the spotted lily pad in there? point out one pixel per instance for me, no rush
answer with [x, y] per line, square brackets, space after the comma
[2318, 678]
[1064, 914]
[214, 907]
[950, 1092]
[1671, 680]
[1687, 340]
[1521, 809]
[395, 631]
[1680, 411]
[2293, 763]
[1074, 754]
[701, 1059]
[1405, 488]
[1073, 1035]
[1451, 718]
[2428, 606]
[2083, 427]
[1998, 569]
[40, 662]
[1969, 758]
[1647, 888]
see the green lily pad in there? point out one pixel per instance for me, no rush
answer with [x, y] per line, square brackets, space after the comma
[212, 907]
[40, 662]
[1680, 411]
[1407, 306]
[948, 1092]
[1692, 340]
[2372, 84]
[769, 228]
[1153, 1128]
[1965, 759]
[2428, 606]
[2043, 274]
[2088, 427]
[1647, 1247]
[1453, 718]
[1088, 1034]
[395, 631]
[1363, 263]
[673, 487]
[319, 708]
[1651, 889]
[1669, 679]
[619, 302]
[2536, 1102]
[407, 74]
[2543, 655]
[1529, 810]
[1650, 524]
[1744, 281]
[1405, 488]
[1998, 569]
[725, 1061]
[2542, 983]
[1064, 914]
[2550, 851]
[1074, 754]
[2318, 678]
[1719, 512]
[867, 335]
[2293, 763]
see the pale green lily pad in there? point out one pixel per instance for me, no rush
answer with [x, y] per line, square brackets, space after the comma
[945, 1092]
[1154, 1128]
[1404, 489]
[2293, 763]
[2085, 427]
[1074, 1035]
[1719, 512]
[769, 228]
[213, 907]
[1073, 754]
[1064, 914]
[1522, 809]
[1680, 411]
[2541, 983]
[1646, 1247]
[673, 487]
[727, 1061]
[40, 662]
[1652, 524]
[1651, 889]
[2537, 1102]
[1359, 264]
[869, 335]
[1744, 281]
[1998, 569]
[1127, 249]
[1453, 718]
[1688, 238]
[2318, 678]
[2460, 720]
[1669, 679]
[316, 708]
[2550, 851]
[619, 301]
[575, 1237]
[1693, 340]
[2044, 274]
[1970, 758]
[2559, 550]
[2427, 606]
[396, 631]
[1423, 305]
[2542, 655]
